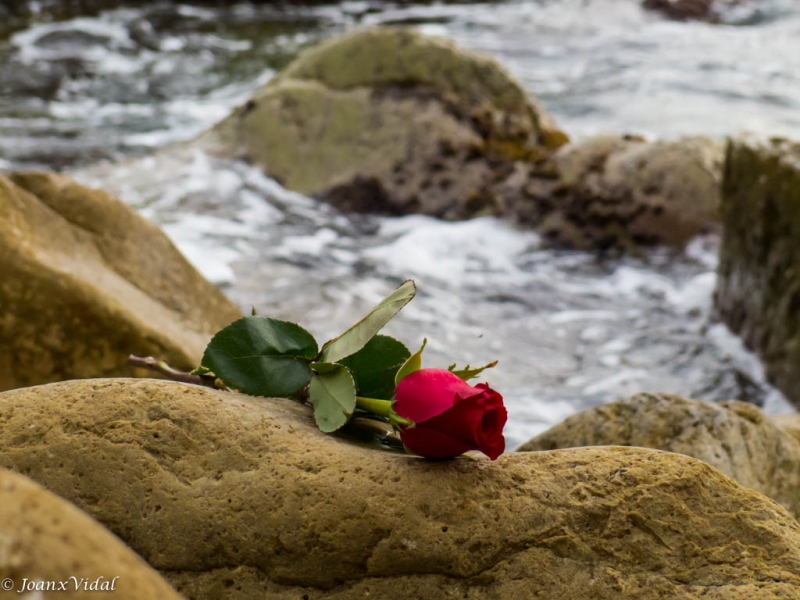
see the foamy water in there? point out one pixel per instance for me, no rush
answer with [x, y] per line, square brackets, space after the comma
[569, 331]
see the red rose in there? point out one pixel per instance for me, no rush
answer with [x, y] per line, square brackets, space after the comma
[450, 416]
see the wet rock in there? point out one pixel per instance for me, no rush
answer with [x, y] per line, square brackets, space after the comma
[733, 437]
[86, 281]
[684, 10]
[758, 287]
[712, 11]
[387, 120]
[231, 495]
[45, 539]
[620, 192]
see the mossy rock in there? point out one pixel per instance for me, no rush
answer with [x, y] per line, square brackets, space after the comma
[758, 285]
[388, 120]
[233, 496]
[397, 57]
[86, 282]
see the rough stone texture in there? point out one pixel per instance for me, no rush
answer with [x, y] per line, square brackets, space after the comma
[44, 538]
[621, 192]
[239, 497]
[758, 286]
[388, 120]
[733, 437]
[86, 281]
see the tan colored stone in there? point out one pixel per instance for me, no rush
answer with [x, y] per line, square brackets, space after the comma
[734, 437]
[233, 496]
[86, 281]
[623, 192]
[388, 120]
[45, 540]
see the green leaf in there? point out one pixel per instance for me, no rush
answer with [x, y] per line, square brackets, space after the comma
[468, 373]
[355, 338]
[332, 393]
[261, 356]
[375, 365]
[414, 363]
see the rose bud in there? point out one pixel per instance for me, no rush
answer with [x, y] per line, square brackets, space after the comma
[450, 416]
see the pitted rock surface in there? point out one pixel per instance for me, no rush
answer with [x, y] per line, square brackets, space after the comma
[242, 497]
[613, 192]
[735, 438]
[86, 282]
[45, 539]
[388, 120]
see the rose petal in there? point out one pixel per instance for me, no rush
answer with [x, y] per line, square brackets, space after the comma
[429, 392]
[430, 443]
[477, 421]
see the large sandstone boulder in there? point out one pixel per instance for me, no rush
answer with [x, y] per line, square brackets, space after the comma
[45, 539]
[388, 120]
[733, 437]
[620, 192]
[758, 284]
[86, 281]
[233, 496]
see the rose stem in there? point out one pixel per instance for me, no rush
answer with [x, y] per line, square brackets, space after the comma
[161, 367]
[383, 408]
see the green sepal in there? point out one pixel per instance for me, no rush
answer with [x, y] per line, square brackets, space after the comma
[375, 366]
[468, 373]
[332, 393]
[355, 338]
[201, 371]
[414, 363]
[261, 356]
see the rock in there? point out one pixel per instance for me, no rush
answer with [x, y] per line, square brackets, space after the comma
[621, 192]
[758, 286]
[388, 120]
[729, 12]
[733, 437]
[45, 539]
[86, 281]
[684, 10]
[233, 496]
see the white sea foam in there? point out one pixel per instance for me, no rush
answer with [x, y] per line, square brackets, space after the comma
[570, 331]
[733, 349]
[451, 251]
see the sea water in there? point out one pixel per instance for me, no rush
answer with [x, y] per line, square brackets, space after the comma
[94, 96]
